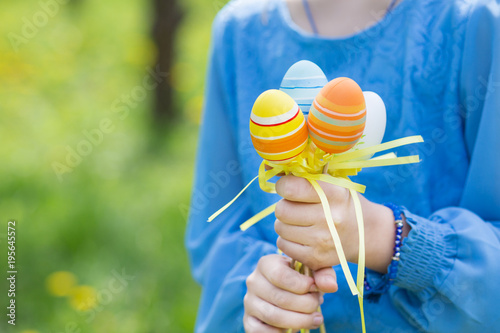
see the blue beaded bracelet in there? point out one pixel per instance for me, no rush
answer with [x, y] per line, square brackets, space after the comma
[374, 293]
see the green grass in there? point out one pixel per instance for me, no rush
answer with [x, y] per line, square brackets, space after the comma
[122, 206]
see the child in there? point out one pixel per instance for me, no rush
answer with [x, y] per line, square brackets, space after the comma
[435, 64]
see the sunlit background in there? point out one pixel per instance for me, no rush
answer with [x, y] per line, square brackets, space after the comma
[96, 162]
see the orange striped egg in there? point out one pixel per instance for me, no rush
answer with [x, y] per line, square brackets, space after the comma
[337, 117]
[277, 127]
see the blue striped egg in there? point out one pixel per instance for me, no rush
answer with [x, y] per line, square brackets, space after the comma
[302, 82]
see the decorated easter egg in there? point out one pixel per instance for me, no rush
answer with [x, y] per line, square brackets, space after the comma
[277, 127]
[375, 122]
[337, 117]
[302, 82]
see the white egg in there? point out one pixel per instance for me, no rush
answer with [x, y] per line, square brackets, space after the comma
[376, 120]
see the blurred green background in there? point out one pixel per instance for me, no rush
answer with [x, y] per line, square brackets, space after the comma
[111, 219]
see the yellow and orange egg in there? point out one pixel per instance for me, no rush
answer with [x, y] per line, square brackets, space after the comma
[337, 117]
[278, 127]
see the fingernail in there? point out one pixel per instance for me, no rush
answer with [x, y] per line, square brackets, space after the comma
[331, 279]
[313, 288]
[318, 319]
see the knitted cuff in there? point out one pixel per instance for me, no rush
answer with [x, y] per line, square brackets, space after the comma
[424, 252]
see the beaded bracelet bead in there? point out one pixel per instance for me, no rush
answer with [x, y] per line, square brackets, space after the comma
[374, 293]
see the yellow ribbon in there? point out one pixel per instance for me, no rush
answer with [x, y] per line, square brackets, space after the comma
[335, 236]
[256, 218]
[217, 213]
[310, 166]
[361, 255]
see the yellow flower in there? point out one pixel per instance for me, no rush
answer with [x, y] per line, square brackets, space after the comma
[61, 283]
[83, 298]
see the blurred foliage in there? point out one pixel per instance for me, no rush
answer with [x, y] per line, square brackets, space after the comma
[119, 208]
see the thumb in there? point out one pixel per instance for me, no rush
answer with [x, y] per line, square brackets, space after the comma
[326, 280]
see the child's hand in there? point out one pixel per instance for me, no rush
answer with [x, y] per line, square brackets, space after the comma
[304, 233]
[279, 297]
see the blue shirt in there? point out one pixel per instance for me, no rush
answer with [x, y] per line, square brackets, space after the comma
[436, 65]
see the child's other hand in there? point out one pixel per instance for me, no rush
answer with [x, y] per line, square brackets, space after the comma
[279, 297]
[304, 234]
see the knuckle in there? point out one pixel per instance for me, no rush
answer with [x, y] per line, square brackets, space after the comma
[298, 283]
[303, 285]
[246, 324]
[280, 244]
[278, 226]
[316, 259]
[286, 187]
[272, 316]
[338, 219]
[324, 241]
[289, 186]
[246, 302]
[280, 184]
[280, 210]
[267, 313]
[278, 298]
[289, 280]
[250, 281]
[312, 303]
[316, 255]
[263, 262]
[277, 274]
[271, 259]
[346, 195]
[338, 194]
[314, 265]
[250, 325]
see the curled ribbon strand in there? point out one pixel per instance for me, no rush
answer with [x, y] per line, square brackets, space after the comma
[217, 213]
